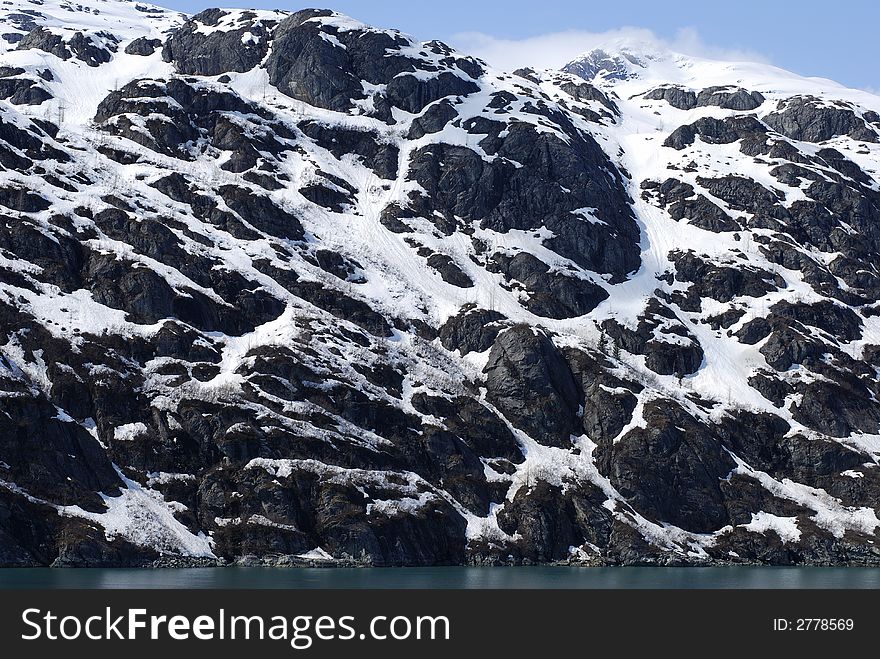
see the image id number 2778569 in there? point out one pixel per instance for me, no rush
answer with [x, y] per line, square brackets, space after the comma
[813, 624]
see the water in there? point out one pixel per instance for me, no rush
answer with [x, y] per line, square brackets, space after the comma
[447, 577]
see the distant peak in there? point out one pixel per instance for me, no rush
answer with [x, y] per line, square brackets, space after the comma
[619, 60]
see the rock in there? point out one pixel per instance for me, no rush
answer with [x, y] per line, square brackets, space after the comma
[23, 91]
[379, 155]
[741, 193]
[551, 294]
[837, 410]
[754, 331]
[475, 424]
[203, 206]
[608, 401]
[835, 159]
[339, 266]
[770, 387]
[681, 356]
[585, 92]
[549, 521]
[836, 320]
[671, 469]
[27, 143]
[858, 208]
[529, 74]
[239, 46]
[448, 461]
[721, 283]
[22, 200]
[261, 213]
[677, 97]
[27, 532]
[93, 50]
[672, 359]
[301, 60]
[725, 319]
[684, 203]
[315, 62]
[788, 346]
[432, 119]
[143, 46]
[810, 119]
[471, 330]
[344, 307]
[553, 181]
[449, 270]
[53, 460]
[196, 115]
[730, 98]
[528, 380]
[871, 355]
[717, 131]
[412, 93]
[300, 509]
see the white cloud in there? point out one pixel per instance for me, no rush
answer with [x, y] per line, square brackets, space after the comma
[555, 49]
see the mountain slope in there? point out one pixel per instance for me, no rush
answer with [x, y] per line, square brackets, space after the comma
[272, 283]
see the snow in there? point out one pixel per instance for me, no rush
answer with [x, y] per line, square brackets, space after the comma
[163, 478]
[235, 19]
[129, 432]
[829, 512]
[143, 518]
[316, 554]
[785, 527]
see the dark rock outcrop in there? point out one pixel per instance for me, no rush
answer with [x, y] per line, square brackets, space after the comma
[143, 46]
[528, 379]
[671, 470]
[550, 294]
[324, 66]
[812, 120]
[730, 98]
[240, 45]
[677, 97]
[471, 330]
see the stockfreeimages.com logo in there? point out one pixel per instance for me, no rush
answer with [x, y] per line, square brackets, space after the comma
[299, 631]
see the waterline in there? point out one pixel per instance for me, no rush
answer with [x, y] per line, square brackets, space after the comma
[447, 577]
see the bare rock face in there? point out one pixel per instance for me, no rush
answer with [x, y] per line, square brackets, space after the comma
[811, 120]
[725, 97]
[529, 380]
[730, 98]
[143, 46]
[550, 294]
[716, 131]
[320, 64]
[672, 469]
[94, 50]
[677, 97]
[556, 179]
[216, 41]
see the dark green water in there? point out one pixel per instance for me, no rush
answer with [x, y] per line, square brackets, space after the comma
[447, 577]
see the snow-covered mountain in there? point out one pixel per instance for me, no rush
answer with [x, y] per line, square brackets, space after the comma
[284, 287]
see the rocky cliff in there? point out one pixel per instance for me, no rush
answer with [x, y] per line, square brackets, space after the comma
[284, 287]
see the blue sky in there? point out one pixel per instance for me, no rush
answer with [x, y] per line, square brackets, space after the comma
[837, 40]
